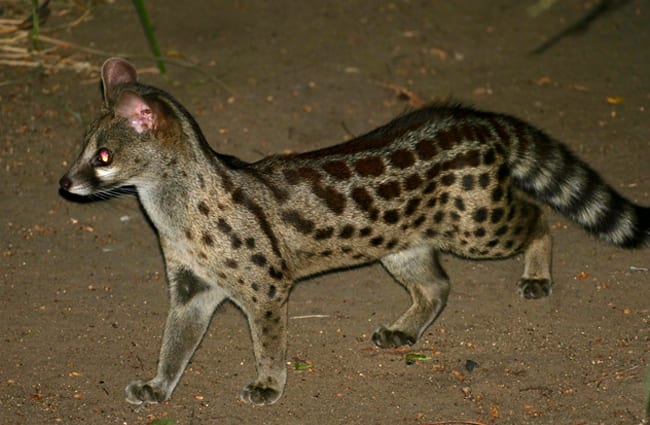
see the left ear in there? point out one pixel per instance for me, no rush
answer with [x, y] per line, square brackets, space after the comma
[116, 71]
[143, 116]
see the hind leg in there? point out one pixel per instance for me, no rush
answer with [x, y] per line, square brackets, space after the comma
[419, 270]
[536, 281]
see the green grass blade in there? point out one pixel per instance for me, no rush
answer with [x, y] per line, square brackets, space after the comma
[35, 24]
[151, 37]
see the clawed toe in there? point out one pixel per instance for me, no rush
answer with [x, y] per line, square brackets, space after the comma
[534, 288]
[259, 395]
[386, 338]
[142, 393]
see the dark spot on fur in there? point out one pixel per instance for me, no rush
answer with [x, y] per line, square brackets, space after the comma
[272, 291]
[468, 182]
[412, 206]
[431, 186]
[497, 194]
[347, 231]
[363, 199]
[365, 231]
[389, 190]
[255, 287]
[497, 215]
[502, 173]
[402, 158]
[334, 199]
[231, 263]
[235, 241]
[258, 259]
[377, 240]
[203, 208]
[454, 216]
[512, 212]
[501, 231]
[295, 219]
[250, 243]
[187, 285]
[449, 137]
[444, 198]
[480, 215]
[223, 226]
[369, 167]
[471, 159]
[188, 234]
[433, 171]
[391, 244]
[489, 157]
[412, 182]
[337, 169]
[480, 232]
[275, 274]
[391, 216]
[439, 216]
[207, 239]
[493, 243]
[460, 205]
[325, 233]
[484, 180]
[426, 149]
[326, 253]
[291, 176]
[418, 221]
[432, 202]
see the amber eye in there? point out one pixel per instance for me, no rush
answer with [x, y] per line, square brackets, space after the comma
[103, 157]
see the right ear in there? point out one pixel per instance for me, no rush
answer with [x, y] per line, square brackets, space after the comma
[116, 71]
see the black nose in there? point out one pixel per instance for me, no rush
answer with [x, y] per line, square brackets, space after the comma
[65, 183]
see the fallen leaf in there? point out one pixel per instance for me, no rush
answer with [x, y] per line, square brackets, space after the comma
[614, 100]
[582, 276]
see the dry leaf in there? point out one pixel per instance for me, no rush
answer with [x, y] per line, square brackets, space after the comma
[614, 100]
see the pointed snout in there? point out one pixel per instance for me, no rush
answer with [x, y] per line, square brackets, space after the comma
[65, 183]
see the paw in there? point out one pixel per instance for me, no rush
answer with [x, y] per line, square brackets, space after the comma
[259, 394]
[139, 392]
[385, 338]
[534, 288]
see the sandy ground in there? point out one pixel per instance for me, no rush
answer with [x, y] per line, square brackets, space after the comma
[82, 290]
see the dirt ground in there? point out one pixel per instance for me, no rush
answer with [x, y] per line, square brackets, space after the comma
[82, 289]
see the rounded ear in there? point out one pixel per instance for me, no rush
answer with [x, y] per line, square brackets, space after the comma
[116, 71]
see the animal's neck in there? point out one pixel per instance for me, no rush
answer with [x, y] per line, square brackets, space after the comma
[187, 174]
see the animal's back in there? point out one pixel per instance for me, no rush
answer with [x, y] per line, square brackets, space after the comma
[448, 176]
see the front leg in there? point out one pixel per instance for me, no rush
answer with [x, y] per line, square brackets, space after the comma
[193, 302]
[268, 325]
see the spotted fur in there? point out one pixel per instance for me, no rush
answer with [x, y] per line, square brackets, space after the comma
[446, 178]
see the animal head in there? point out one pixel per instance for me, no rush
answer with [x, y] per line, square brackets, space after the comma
[128, 138]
